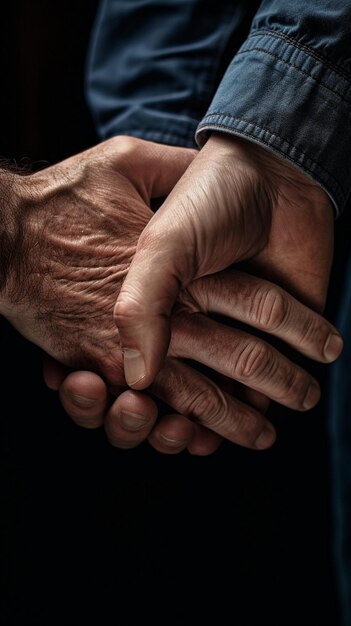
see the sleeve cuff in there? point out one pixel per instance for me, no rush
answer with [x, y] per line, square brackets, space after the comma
[289, 99]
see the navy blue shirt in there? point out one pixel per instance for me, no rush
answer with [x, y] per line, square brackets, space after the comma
[277, 73]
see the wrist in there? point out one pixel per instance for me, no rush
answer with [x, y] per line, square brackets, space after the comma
[276, 170]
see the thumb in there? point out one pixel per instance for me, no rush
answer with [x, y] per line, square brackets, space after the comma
[200, 229]
[147, 296]
[143, 309]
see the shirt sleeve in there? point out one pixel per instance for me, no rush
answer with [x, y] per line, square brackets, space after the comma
[154, 65]
[288, 88]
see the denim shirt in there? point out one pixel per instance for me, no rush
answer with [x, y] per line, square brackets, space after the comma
[276, 72]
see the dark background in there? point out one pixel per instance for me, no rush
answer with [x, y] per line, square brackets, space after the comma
[91, 534]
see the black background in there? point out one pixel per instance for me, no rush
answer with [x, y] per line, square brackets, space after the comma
[91, 534]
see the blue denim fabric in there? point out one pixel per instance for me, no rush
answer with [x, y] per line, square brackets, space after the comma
[153, 66]
[289, 89]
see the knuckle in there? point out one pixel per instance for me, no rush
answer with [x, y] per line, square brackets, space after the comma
[126, 309]
[122, 145]
[255, 361]
[208, 405]
[293, 387]
[312, 333]
[270, 308]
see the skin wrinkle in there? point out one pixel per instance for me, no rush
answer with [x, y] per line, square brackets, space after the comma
[71, 272]
[269, 308]
[311, 333]
[248, 359]
[196, 402]
[203, 403]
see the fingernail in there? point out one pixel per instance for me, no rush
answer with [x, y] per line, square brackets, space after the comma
[333, 347]
[134, 366]
[265, 439]
[312, 396]
[173, 443]
[82, 401]
[132, 421]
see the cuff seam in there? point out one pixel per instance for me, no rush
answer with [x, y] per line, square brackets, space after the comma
[319, 57]
[207, 124]
[296, 67]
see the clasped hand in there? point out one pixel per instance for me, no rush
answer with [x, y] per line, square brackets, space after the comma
[79, 223]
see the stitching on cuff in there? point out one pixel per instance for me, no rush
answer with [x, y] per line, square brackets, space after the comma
[296, 67]
[319, 57]
[204, 126]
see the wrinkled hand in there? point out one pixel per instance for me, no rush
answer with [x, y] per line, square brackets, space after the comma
[78, 223]
[236, 202]
[78, 226]
[225, 350]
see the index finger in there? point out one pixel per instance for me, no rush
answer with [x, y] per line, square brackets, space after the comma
[269, 308]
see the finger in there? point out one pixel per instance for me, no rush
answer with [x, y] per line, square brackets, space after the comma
[249, 360]
[144, 331]
[269, 308]
[53, 372]
[142, 313]
[84, 396]
[204, 441]
[172, 435]
[193, 395]
[168, 436]
[256, 399]
[130, 419]
[250, 396]
[177, 244]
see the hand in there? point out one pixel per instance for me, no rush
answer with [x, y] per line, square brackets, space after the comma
[132, 417]
[189, 392]
[236, 202]
[77, 228]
